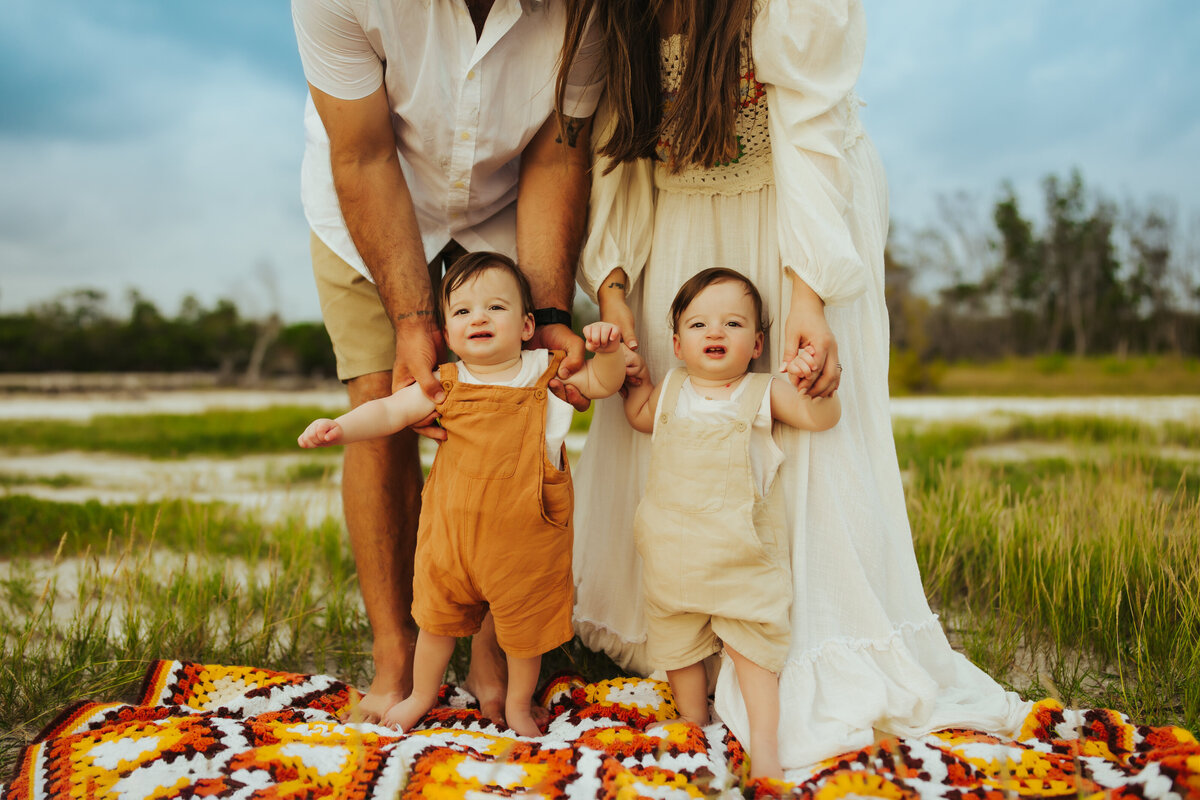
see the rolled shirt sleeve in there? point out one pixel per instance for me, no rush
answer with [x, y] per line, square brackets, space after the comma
[808, 54]
[335, 53]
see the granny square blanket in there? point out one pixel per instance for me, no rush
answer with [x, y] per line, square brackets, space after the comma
[238, 732]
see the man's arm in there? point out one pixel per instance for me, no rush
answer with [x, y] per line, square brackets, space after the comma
[382, 222]
[551, 215]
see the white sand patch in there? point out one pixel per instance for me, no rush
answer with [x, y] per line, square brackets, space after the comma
[998, 409]
[81, 407]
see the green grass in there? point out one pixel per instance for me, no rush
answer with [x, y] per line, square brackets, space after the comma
[1073, 574]
[217, 432]
[10, 479]
[1046, 376]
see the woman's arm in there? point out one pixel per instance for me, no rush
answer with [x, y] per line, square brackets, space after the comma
[808, 53]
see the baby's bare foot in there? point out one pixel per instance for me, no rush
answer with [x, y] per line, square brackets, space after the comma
[523, 725]
[407, 713]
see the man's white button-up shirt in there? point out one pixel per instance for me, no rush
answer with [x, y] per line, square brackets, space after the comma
[462, 110]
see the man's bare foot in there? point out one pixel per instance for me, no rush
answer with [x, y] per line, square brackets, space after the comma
[407, 713]
[391, 684]
[371, 707]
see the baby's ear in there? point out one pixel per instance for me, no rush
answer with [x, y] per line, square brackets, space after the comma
[528, 328]
[758, 344]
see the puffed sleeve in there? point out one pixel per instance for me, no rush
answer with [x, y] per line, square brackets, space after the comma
[334, 51]
[620, 214]
[808, 54]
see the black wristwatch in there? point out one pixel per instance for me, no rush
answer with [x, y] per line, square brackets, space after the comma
[551, 316]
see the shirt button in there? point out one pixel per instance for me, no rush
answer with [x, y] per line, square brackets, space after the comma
[459, 185]
[465, 136]
[471, 75]
[663, 419]
[741, 426]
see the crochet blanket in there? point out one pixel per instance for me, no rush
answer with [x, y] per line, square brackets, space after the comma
[219, 731]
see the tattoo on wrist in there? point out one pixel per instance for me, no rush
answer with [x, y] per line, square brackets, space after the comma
[569, 129]
[424, 312]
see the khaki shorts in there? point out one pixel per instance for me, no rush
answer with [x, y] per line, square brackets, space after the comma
[358, 325]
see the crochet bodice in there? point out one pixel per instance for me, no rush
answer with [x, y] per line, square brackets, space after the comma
[751, 167]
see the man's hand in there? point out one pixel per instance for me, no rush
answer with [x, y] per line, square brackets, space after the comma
[418, 351]
[560, 337]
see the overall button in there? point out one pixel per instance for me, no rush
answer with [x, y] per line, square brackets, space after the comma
[446, 385]
[539, 394]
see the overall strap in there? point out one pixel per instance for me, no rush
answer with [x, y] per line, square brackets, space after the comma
[556, 357]
[669, 396]
[757, 384]
[448, 373]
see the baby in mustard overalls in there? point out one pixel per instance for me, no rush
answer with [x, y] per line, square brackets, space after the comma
[495, 525]
[710, 526]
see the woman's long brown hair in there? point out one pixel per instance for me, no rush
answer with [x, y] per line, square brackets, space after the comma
[704, 113]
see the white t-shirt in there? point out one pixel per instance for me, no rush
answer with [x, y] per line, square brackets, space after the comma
[765, 455]
[559, 413]
[462, 110]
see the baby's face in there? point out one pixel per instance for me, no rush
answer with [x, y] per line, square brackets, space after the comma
[485, 323]
[718, 332]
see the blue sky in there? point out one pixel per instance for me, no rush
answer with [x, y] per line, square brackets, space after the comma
[155, 145]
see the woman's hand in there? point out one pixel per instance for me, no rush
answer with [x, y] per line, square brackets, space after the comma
[810, 359]
[614, 308]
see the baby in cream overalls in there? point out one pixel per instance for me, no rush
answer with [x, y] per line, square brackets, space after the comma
[709, 528]
[495, 525]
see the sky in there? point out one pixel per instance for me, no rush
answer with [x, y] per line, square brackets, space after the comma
[154, 145]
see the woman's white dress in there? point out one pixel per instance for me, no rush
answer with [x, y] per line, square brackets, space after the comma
[806, 194]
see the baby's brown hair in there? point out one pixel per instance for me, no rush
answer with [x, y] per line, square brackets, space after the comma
[473, 264]
[702, 280]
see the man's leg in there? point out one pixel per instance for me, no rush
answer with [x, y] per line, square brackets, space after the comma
[381, 495]
[381, 478]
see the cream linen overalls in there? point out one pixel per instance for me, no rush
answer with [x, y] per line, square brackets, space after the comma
[715, 562]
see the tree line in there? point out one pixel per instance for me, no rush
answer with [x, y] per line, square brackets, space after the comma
[1086, 277]
[77, 332]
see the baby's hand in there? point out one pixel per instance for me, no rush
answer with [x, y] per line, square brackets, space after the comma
[803, 365]
[602, 337]
[636, 370]
[321, 433]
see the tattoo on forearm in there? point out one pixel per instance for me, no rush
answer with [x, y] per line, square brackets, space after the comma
[570, 128]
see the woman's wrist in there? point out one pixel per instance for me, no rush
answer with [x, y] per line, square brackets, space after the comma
[612, 290]
[804, 300]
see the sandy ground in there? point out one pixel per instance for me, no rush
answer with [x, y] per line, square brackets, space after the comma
[84, 406]
[258, 483]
